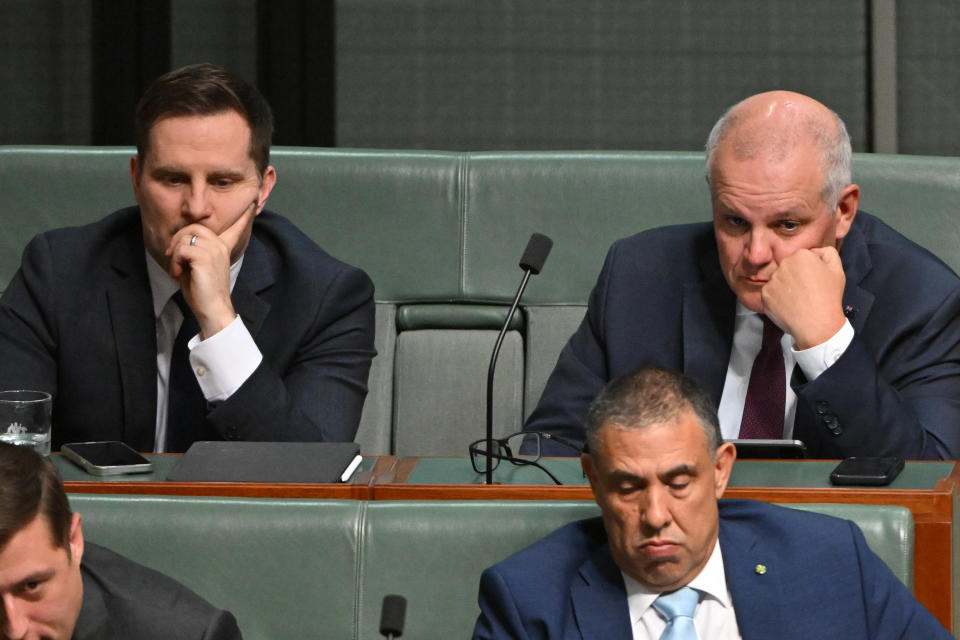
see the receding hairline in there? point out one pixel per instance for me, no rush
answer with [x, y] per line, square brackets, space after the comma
[775, 129]
[773, 125]
[675, 419]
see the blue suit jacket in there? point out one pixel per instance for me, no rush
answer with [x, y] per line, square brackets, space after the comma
[822, 581]
[77, 321]
[662, 300]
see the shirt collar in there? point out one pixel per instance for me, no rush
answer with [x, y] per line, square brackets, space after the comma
[162, 285]
[711, 581]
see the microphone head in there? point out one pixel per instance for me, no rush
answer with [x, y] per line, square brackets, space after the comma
[392, 615]
[538, 248]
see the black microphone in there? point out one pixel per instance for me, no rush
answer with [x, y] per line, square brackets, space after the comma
[538, 248]
[391, 616]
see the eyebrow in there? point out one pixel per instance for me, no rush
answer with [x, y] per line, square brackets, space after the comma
[216, 173]
[683, 469]
[37, 576]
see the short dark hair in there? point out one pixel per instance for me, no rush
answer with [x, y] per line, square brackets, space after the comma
[202, 90]
[31, 485]
[648, 396]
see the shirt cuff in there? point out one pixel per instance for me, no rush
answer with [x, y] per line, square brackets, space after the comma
[819, 358]
[224, 361]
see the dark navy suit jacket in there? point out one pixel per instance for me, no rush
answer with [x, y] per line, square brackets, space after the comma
[662, 300]
[821, 581]
[77, 321]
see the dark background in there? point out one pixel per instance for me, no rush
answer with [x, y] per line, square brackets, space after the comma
[490, 74]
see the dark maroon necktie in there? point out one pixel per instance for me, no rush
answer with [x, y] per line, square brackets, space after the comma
[763, 408]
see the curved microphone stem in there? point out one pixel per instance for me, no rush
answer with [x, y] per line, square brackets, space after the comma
[493, 364]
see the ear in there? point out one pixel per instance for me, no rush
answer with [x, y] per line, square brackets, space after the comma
[267, 183]
[846, 209]
[76, 537]
[726, 456]
[135, 176]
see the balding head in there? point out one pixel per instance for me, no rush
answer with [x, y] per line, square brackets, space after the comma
[774, 124]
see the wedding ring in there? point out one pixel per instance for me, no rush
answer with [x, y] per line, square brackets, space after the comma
[193, 239]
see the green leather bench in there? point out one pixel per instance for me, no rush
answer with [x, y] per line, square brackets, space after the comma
[441, 233]
[320, 568]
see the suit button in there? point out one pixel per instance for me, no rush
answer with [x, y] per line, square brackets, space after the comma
[832, 424]
[822, 407]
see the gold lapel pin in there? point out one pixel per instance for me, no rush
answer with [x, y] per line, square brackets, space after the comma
[760, 569]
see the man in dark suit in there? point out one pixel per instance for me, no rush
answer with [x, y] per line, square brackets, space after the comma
[665, 539]
[54, 585]
[196, 315]
[868, 323]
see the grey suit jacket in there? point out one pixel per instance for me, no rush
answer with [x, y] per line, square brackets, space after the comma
[77, 321]
[123, 600]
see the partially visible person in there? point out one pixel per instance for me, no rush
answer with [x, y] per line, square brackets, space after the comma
[667, 552]
[56, 586]
[196, 315]
[802, 317]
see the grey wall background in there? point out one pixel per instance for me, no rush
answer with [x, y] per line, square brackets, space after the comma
[497, 74]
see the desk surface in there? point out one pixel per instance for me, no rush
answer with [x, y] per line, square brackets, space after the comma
[746, 473]
[77, 480]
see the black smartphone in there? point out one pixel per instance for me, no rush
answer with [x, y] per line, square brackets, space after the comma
[868, 471]
[770, 449]
[106, 458]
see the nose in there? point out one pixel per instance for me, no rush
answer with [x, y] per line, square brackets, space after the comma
[196, 201]
[14, 620]
[656, 512]
[757, 247]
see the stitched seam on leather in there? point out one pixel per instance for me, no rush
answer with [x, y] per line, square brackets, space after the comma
[462, 188]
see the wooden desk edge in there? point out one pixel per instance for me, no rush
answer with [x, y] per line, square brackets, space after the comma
[359, 488]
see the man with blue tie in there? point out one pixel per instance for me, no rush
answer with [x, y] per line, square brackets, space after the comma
[669, 560]
[802, 317]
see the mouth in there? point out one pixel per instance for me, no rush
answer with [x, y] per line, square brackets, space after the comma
[659, 548]
[754, 281]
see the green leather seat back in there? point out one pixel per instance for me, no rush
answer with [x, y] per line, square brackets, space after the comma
[433, 553]
[583, 200]
[395, 214]
[916, 195]
[284, 568]
[320, 568]
[888, 530]
[42, 188]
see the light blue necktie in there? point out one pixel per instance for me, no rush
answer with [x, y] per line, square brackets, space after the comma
[678, 607]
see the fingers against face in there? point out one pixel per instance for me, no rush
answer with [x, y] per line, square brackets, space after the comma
[804, 296]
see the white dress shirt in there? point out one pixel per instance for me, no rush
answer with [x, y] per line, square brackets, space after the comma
[715, 618]
[747, 338]
[222, 362]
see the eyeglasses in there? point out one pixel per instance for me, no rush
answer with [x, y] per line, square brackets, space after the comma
[521, 448]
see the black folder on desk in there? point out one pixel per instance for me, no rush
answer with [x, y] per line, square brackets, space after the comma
[311, 462]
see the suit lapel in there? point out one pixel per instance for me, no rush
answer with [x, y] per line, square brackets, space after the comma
[130, 308]
[857, 301]
[754, 577]
[256, 275]
[599, 601]
[708, 317]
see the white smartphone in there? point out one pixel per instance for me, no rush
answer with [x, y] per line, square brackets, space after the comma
[106, 458]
